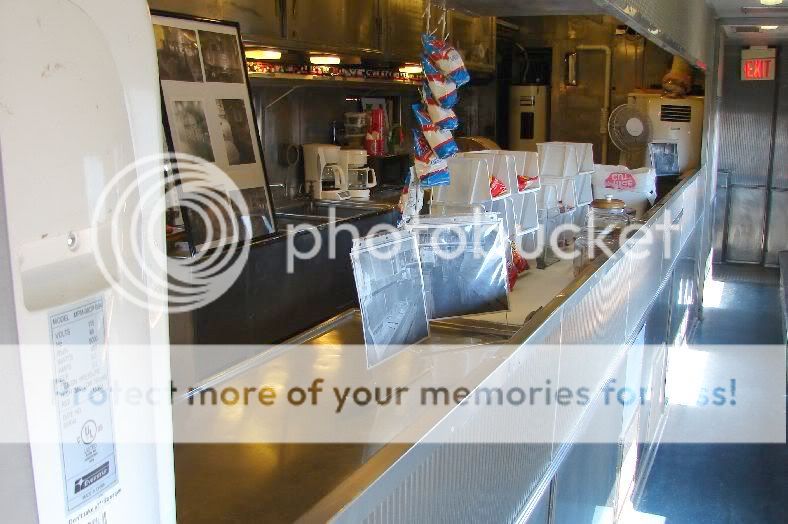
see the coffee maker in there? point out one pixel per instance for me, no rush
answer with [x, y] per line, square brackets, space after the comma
[361, 178]
[325, 178]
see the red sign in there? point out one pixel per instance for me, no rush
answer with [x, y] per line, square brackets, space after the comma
[758, 69]
[620, 182]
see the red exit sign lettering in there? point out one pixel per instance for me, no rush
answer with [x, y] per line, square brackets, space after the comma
[758, 64]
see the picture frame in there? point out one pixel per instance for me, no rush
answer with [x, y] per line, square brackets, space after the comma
[207, 112]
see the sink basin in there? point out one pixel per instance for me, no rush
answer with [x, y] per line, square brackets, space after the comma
[316, 213]
[325, 209]
[284, 221]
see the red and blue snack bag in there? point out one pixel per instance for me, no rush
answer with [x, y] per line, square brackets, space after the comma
[443, 89]
[431, 170]
[441, 141]
[446, 119]
[446, 59]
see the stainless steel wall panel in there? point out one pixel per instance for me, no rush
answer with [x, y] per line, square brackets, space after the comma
[780, 171]
[719, 210]
[746, 120]
[745, 225]
[778, 226]
[587, 476]
[690, 216]
[683, 26]
[674, 212]
[646, 257]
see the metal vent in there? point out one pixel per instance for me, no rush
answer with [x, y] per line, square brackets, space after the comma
[748, 29]
[671, 113]
[764, 10]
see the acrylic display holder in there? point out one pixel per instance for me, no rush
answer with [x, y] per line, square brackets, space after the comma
[558, 159]
[470, 182]
[585, 193]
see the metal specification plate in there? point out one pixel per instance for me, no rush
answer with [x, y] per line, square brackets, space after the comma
[82, 389]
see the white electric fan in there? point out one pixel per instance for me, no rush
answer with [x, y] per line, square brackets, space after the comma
[630, 131]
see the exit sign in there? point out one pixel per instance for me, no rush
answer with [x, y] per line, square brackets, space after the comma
[758, 63]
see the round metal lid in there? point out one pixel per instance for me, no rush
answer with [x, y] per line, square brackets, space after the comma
[608, 203]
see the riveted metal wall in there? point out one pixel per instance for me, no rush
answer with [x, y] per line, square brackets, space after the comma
[780, 174]
[753, 159]
[746, 123]
[777, 232]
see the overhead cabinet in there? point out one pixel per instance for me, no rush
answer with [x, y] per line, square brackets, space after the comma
[389, 28]
[404, 27]
[262, 18]
[341, 25]
[474, 38]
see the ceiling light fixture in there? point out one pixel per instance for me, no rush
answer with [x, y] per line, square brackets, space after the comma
[769, 27]
[263, 54]
[771, 2]
[324, 59]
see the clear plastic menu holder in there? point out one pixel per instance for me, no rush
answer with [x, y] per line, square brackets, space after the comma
[390, 289]
[566, 189]
[566, 158]
[505, 208]
[470, 180]
[558, 159]
[585, 193]
[463, 260]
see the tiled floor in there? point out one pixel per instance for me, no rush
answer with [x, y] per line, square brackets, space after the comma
[725, 483]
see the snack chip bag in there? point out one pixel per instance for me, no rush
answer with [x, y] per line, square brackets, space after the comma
[524, 181]
[446, 59]
[497, 188]
[520, 263]
[421, 148]
[444, 118]
[440, 141]
[443, 89]
[431, 170]
[436, 178]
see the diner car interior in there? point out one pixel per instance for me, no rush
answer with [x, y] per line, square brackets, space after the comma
[394, 261]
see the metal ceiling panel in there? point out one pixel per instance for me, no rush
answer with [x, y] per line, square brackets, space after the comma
[680, 26]
[527, 8]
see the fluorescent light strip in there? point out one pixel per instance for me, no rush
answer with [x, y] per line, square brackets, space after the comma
[324, 60]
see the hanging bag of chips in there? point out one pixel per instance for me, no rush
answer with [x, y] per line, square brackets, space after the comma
[441, 141]
[430, 170]
[446, 119]
[443, 89]
[446, 59]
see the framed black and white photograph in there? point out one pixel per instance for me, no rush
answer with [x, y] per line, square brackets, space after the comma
[221, 57]
[178, 53]
[208, 111]
[236, 132]
[190, 129]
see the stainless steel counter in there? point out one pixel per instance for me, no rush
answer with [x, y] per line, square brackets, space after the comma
[280, 482]
[622, 299]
